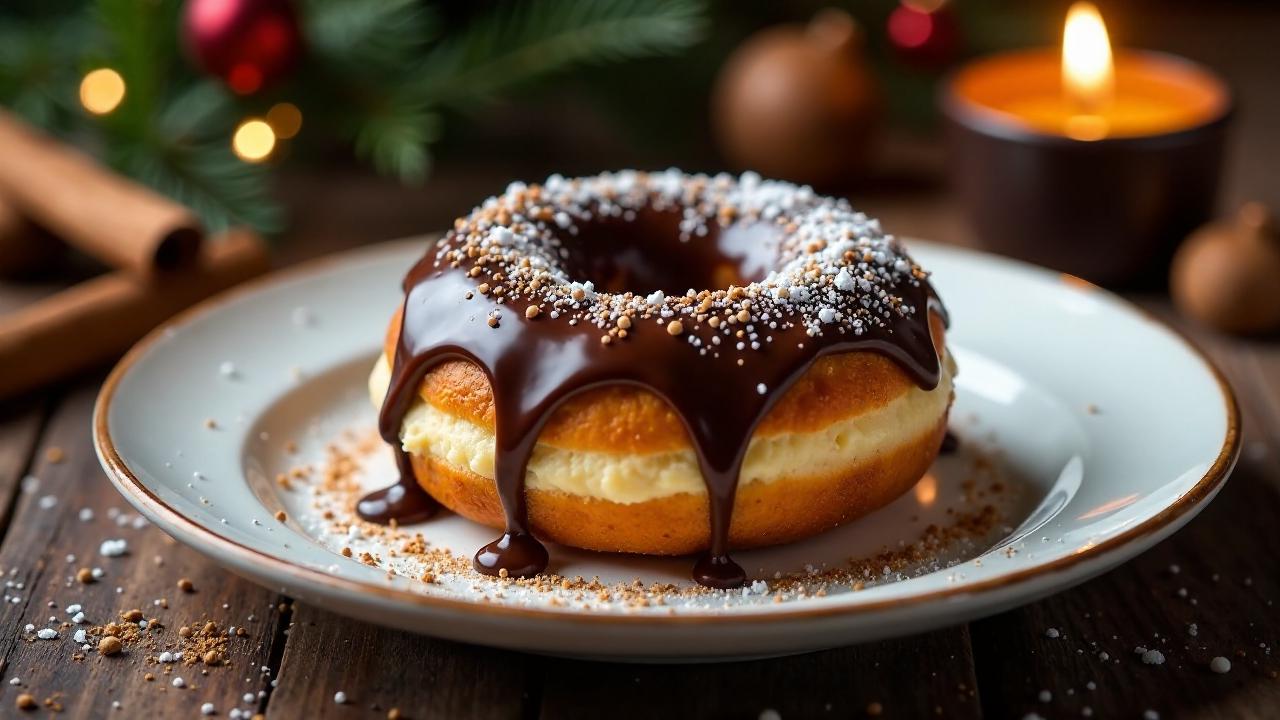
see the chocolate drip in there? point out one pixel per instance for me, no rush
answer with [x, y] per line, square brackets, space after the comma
[950, 443]
[402, 502]
[535, 365]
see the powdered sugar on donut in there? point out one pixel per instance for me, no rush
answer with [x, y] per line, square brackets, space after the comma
[837, 272]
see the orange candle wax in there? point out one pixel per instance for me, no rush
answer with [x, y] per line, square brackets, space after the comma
[1088, 161]
[1086, 93]
[1154, 94]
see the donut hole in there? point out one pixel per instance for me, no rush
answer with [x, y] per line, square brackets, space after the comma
[647, 254]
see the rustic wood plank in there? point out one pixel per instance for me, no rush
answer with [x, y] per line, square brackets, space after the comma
[381, 669]
[923, 676]
[1226, 562]
[1217, 574]
[48, 527]
[20, 423]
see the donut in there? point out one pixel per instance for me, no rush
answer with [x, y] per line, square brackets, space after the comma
[659, 363]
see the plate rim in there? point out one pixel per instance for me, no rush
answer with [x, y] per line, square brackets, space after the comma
[133, 490]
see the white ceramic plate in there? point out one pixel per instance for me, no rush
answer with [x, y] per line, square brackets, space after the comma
[1093, 431]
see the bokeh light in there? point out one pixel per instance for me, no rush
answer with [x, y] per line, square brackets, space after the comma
[101, 91]
[926, 490]
[911, 28]
[253, 141]
[244, 78]
[285, 119]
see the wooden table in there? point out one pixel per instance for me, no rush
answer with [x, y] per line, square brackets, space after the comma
[1219, 575]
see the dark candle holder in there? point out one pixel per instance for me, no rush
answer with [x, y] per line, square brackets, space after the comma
[1110, 210]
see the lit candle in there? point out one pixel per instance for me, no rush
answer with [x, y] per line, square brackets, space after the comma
[1086, 159]
[1088, 75]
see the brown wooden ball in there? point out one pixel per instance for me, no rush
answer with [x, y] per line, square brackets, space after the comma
[1227, 273]
[799, 103]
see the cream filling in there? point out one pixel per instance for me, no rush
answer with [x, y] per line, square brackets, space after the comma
[633, 478]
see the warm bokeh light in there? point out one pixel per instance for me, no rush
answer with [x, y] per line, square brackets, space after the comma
[911, 27]
[285, 119]
[254, 140]
[1088, 75]
[101, 91]
[927, 490]
[244, 78]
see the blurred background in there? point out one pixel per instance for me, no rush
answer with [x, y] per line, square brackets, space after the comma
[422, 108]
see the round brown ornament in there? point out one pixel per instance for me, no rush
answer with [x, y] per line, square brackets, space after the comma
[799, 102]
[1227, 273]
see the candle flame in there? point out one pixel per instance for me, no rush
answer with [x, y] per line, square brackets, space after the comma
[1088, 75]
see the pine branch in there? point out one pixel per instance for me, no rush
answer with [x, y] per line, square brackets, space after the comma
[172, 132]
[375, 80]
[133, 42]
[207, 178]
[201, 112]
[36, 80]
[521, 41]
[366, 37]
[396, 137]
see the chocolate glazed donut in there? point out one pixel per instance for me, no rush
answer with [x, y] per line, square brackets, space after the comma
[559, 288]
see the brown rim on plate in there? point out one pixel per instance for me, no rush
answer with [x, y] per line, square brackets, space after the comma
[133, 489]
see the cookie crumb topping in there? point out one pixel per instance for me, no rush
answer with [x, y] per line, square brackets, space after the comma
[836, 271]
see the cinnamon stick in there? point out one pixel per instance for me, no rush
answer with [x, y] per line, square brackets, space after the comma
[24, 248]
[98, 319]
[114, 219]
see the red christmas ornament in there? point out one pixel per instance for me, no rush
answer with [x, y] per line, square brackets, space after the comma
[924, 33]
[247, 43]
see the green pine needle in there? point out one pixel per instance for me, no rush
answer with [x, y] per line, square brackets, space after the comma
[525, 40]
[36, 81]
[360, 37]
[396, 139]
[201, 112]
[207, 178]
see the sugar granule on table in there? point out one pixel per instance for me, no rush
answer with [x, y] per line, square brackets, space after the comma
[113, 547]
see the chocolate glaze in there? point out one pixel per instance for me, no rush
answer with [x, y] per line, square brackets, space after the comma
[950, 443]
[534, 365]
[398, 502]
